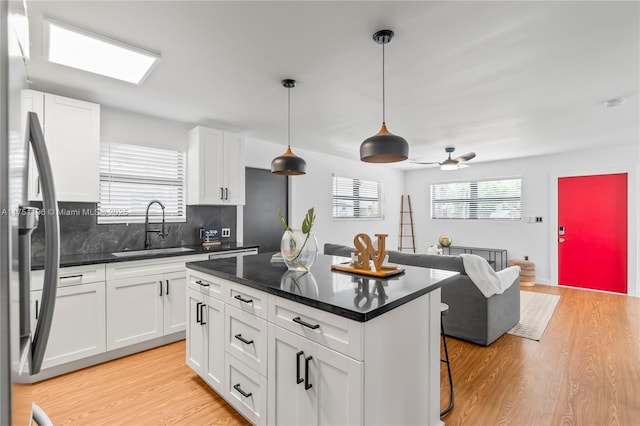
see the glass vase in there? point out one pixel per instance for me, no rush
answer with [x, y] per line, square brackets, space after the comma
[299, 250]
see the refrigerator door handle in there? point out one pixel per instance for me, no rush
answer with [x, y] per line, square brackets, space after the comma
[52, 244]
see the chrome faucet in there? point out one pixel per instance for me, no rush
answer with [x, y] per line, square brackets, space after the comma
[160, 232]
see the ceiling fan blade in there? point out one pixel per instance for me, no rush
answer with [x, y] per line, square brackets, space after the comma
[465, 157]
[423, 162]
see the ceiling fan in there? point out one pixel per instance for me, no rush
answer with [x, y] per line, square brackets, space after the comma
[450, 163]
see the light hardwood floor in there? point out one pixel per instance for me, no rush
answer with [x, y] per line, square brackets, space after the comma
[584, 371]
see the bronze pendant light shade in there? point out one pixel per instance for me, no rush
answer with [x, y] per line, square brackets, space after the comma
[288, 163]
[384, 146]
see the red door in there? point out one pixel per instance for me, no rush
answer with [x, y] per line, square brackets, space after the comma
[592, 232]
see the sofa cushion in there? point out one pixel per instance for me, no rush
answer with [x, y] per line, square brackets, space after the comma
[337, 250]
[435, 261]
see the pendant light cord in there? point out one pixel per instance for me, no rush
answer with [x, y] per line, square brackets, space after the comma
[383, 99]
[289, 117]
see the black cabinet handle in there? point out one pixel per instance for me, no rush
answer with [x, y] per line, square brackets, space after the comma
[306, 324]
[160, 282]
[242, 299]
[307, 385]
[298, 378]
[221, 193]
[202, 284]
[37, 310]
[202, 305]
[198, 319]
[226, 193]
[243, 393]
[243, 340]
[167, 293]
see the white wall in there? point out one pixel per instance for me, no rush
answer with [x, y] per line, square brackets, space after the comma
[314, 189]
[539, 187]
[121, 126]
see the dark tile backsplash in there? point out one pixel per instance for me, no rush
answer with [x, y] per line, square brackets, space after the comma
[79, 233]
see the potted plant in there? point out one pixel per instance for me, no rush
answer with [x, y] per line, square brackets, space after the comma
[299, 247]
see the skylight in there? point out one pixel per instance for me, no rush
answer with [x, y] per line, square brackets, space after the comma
[87, 51]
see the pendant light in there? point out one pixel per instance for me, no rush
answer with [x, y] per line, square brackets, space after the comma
[288, 163]
[384, 147]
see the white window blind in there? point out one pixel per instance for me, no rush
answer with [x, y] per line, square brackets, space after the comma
[497, 199]
[131, 176]
[356, 199]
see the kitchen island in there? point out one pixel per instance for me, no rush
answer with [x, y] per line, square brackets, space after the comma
[317, 347]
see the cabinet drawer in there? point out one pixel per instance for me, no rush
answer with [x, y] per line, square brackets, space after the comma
[247, 299]
[207, 284]
[71, 275]
[246, 390]
[338, 333]
[246, 338]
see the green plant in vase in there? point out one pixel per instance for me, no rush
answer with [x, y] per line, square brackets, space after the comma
[299, 246]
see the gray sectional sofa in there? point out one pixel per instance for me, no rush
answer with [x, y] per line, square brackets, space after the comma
[472, 316]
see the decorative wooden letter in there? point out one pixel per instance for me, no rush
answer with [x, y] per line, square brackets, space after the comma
[365, 251]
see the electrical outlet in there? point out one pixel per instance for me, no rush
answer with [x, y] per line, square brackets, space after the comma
[226, 232]
[538, 219]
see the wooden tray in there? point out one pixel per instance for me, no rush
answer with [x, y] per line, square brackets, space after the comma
[385, 272]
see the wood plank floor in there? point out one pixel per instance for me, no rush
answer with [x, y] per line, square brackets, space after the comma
[584, 371]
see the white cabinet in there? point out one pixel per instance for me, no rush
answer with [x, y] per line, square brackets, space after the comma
[71, 130]
[215, 167]
[134, 310]
[146, 299]
[310, 384]
[205, 338]
[78, 326]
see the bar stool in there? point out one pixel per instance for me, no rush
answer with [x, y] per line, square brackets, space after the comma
[444, 309]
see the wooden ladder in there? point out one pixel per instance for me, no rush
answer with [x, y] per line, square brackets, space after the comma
[406, 228]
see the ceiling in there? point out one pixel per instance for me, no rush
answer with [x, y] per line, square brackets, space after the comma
[503, 79]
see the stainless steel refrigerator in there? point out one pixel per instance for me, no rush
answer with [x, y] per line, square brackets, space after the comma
[21, 348]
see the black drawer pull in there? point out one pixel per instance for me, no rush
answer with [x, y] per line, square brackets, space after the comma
[306, 324]
[298, 378]
[243, 393]
[202, 305]
[202, 284]
[160, 282]
[67, 277]
[242, 299]
[307, 385]
[198, 319]
[243, 340]
[37, 310]
[167, 293]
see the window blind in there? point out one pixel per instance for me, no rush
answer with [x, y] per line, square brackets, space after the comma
[497, 199]
[356, 198]
[131, 176]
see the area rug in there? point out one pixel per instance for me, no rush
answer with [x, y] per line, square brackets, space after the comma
[536, 310]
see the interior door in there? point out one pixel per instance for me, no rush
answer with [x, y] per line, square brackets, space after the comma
[266, 193]
[592, 232]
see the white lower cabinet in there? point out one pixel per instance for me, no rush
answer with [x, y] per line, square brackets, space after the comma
[78, 327]
[143, 306]
[134, 310]
[310, 384]
[205, 338]
[246, 390]
[271, 374]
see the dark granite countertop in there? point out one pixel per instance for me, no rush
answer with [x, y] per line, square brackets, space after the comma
[353, 296]
[94, 258]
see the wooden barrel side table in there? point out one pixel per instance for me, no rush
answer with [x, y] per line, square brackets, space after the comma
[527, 271]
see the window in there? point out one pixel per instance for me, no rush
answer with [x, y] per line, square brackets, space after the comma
[356, 199]
[131, 176]
[499, 199]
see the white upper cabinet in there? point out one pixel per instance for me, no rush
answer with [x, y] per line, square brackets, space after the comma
[215, 162]
[71, 130]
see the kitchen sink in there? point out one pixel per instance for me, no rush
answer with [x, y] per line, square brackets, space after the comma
[151, 251]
